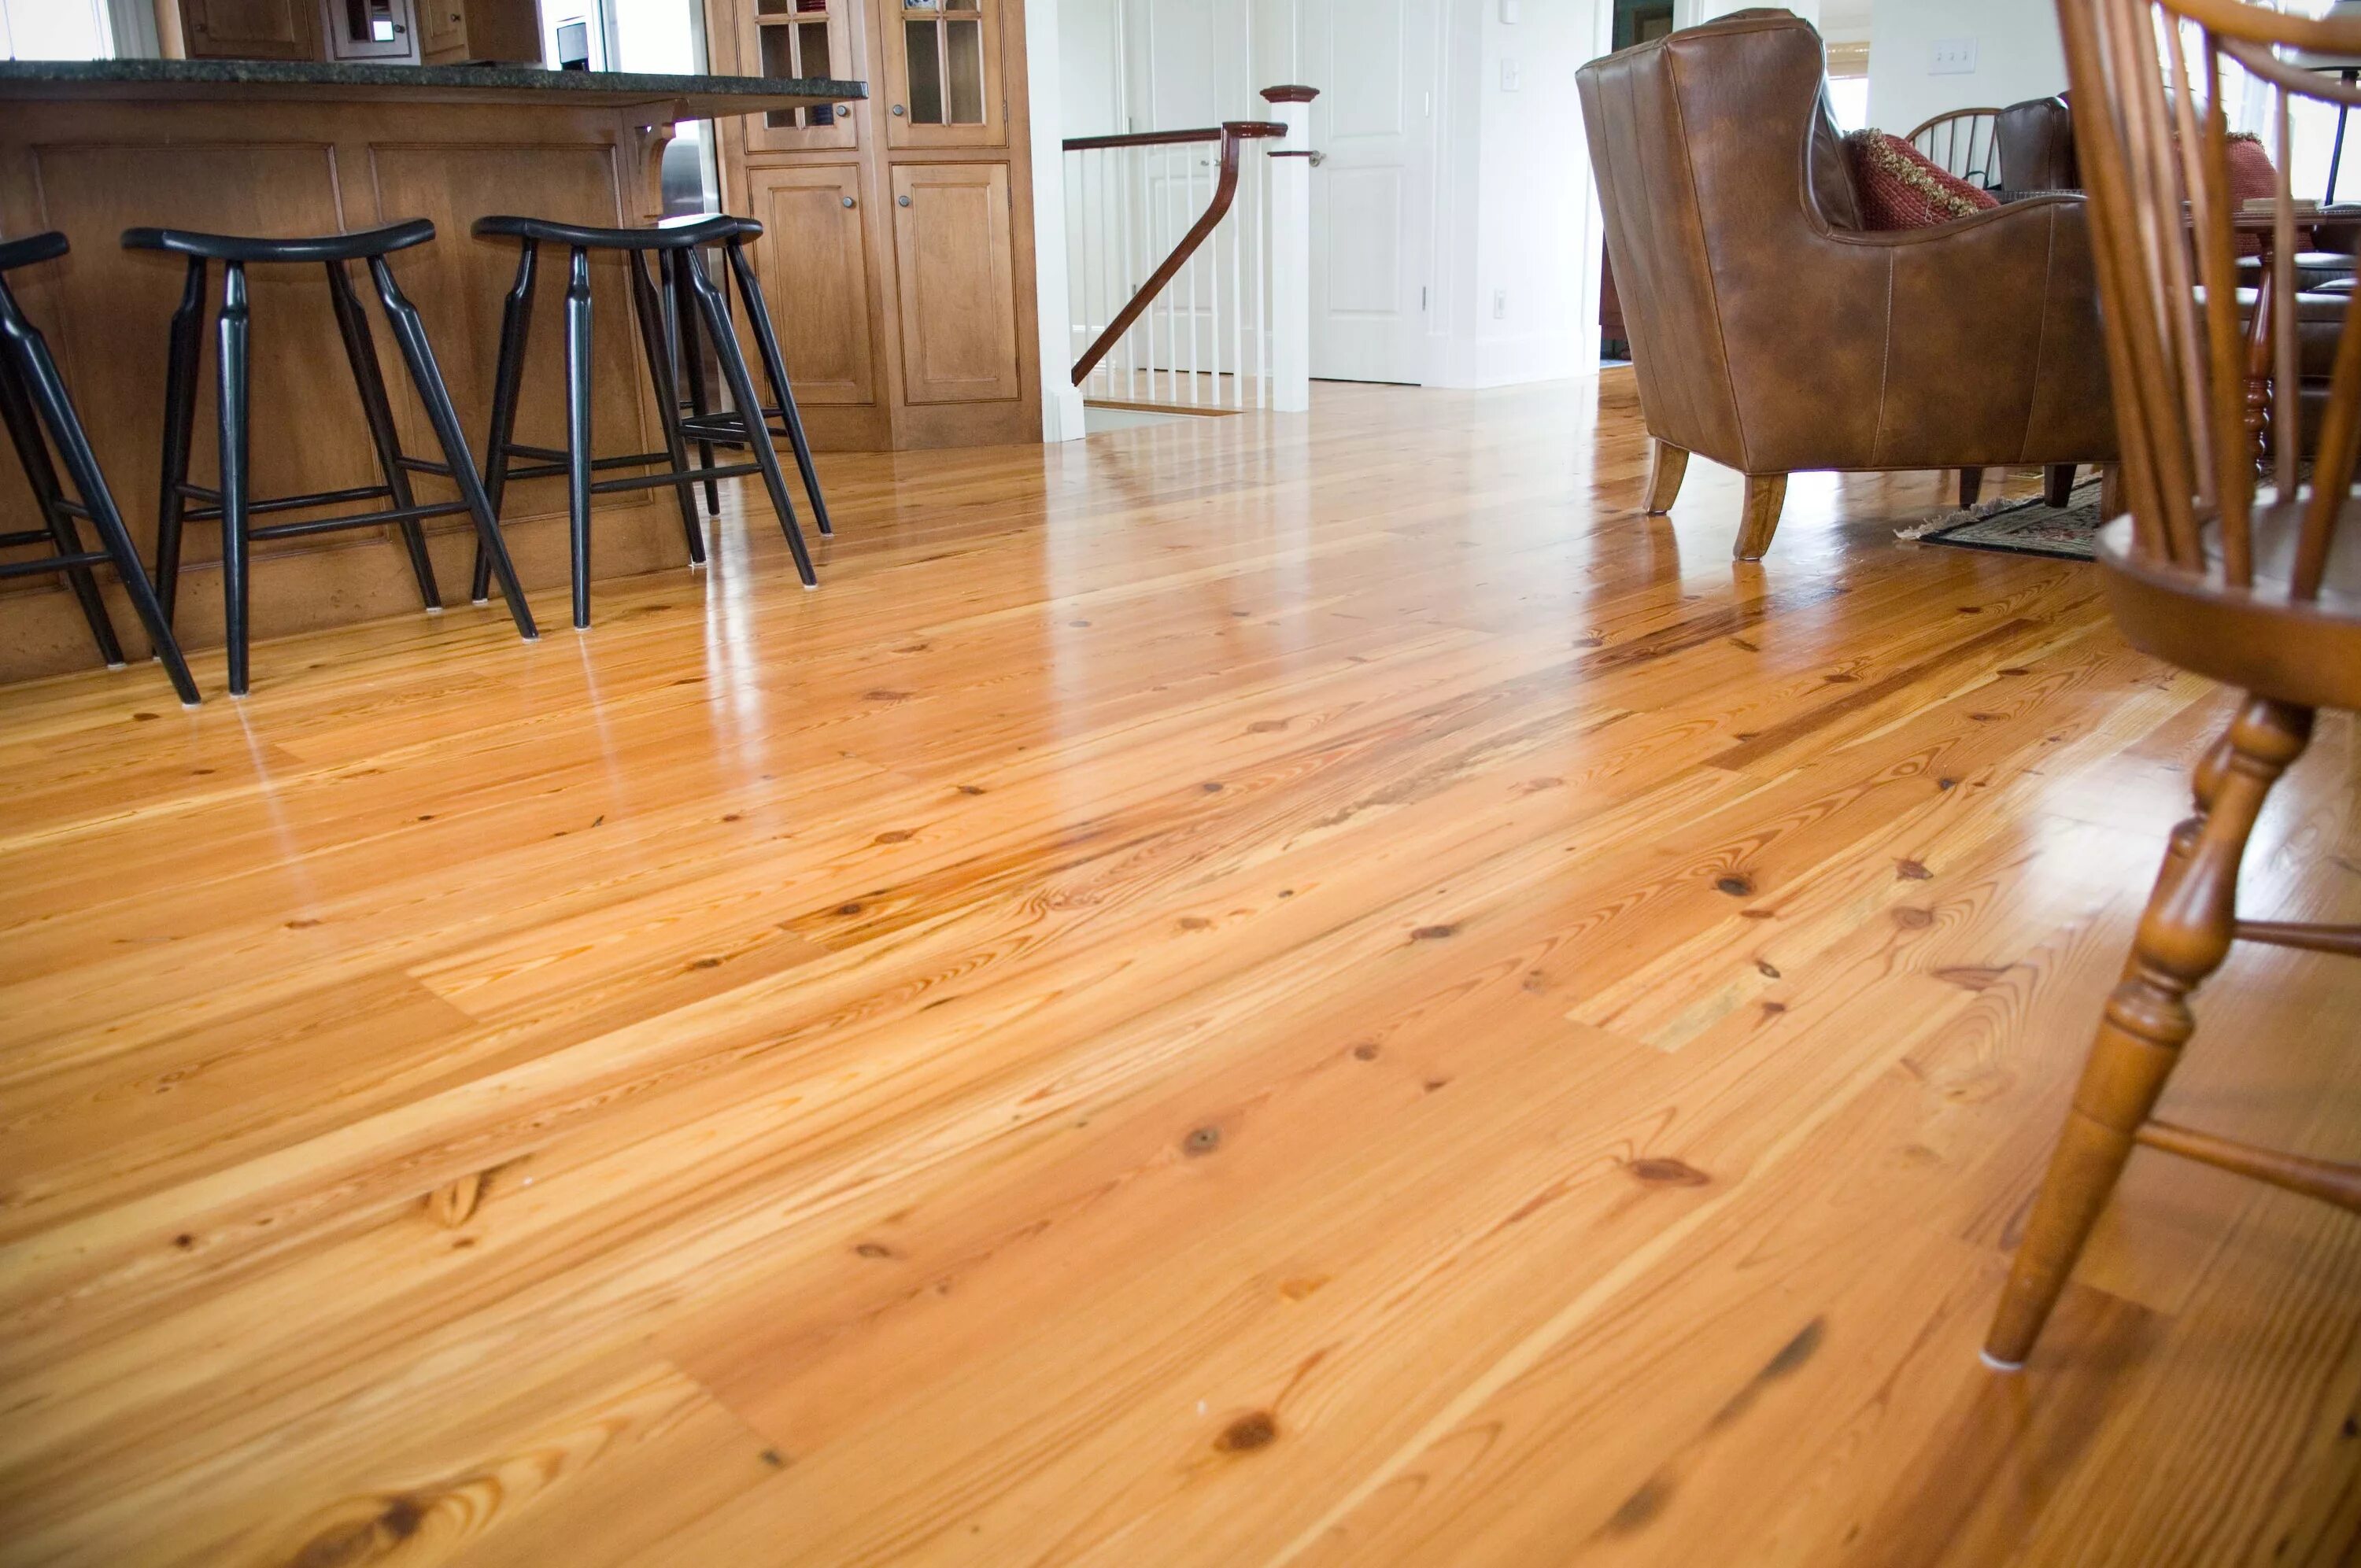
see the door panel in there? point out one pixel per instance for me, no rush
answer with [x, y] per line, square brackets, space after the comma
[813, 264]
[956, 281]
[1373, 196]
[252, 29]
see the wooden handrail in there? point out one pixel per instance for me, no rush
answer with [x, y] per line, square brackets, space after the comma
[1233, 135]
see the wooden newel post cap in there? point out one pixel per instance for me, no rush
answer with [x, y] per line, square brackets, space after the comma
[1290, 94]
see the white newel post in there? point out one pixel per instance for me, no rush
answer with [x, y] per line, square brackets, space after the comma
[1290, 249]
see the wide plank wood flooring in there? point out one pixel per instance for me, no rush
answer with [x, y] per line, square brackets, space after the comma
[1314, 990]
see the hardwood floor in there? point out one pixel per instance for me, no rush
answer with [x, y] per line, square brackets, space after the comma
[1309, 991]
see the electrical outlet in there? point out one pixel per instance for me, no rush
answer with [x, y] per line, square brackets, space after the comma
[1499, 305]
[1510, 77]
[1953, 57]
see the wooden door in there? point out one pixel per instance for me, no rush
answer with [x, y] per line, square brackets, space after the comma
[957, 284]
[800, 38]
[944, 79]
[813, 261]
[251, 30]
[369, 29]
[1373, 197]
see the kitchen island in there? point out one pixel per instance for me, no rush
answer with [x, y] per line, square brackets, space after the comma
[271, 148]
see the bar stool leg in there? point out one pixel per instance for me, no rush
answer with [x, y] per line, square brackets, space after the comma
[24, 432]
[233, 454]
[188, 344]
[516, 323]
[577, 428]
[774, 369]
[418, 357]
[360, 353]
[692, 364]
[741, 393]
[32, 374]
[649, 314]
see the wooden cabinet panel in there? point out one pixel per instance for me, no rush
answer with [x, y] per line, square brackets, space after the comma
[251, 30]
[442, 29]
[505, 31]
[944, 74]
[813, 261]
[957, 282]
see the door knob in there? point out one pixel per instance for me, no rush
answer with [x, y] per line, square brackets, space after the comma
[848, 201]
[897, 109]
[900, 201]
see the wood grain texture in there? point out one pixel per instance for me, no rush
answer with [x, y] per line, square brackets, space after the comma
[1311, 990]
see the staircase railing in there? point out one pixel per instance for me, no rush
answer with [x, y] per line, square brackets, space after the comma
[1205, 328]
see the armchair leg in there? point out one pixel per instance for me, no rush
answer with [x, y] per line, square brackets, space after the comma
[2110, 491]
[2058, 484]
[1667, 464]
[1972, 485]
[1765, 494]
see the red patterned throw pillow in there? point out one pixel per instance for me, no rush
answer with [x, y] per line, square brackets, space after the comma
[1901, 188]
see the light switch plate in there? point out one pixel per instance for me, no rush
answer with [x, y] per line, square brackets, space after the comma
[1953, 57]
[1508, 17]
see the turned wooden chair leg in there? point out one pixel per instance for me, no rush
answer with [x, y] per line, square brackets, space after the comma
[2184, 935]
[1972, 485]
[1667, 464]
[2058, 484]
[1765, 494]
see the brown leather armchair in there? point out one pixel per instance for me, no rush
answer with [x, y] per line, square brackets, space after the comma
[1771, 332]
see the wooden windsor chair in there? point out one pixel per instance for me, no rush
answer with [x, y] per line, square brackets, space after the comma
[1963, 142]
[2250, 574]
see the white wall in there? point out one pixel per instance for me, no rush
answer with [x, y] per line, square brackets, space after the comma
[2018, 56]
[1532, 233]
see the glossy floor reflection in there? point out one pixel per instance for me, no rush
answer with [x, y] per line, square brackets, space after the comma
[1308, 990]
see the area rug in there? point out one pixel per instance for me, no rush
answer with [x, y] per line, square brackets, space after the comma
[2026, 526]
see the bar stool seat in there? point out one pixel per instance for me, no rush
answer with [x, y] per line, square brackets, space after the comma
[40, 414]
[35, 247]
[662, 338]
[358, 245]
[232, 504]
[673, 234]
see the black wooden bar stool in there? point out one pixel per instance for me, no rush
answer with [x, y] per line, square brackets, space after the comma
[711, 429]
[34, 403]
[676, 242]
[232, 504]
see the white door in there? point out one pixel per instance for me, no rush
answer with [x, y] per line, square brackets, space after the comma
[1373, 190]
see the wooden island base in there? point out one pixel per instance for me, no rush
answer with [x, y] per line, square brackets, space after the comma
[249, 149]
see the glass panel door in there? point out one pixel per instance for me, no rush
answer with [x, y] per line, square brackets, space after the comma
[945, 74]
[807, 38]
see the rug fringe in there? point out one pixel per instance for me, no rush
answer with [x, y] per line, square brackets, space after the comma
[1981, 510]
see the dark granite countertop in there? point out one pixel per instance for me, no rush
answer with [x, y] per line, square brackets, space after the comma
[674, 97]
